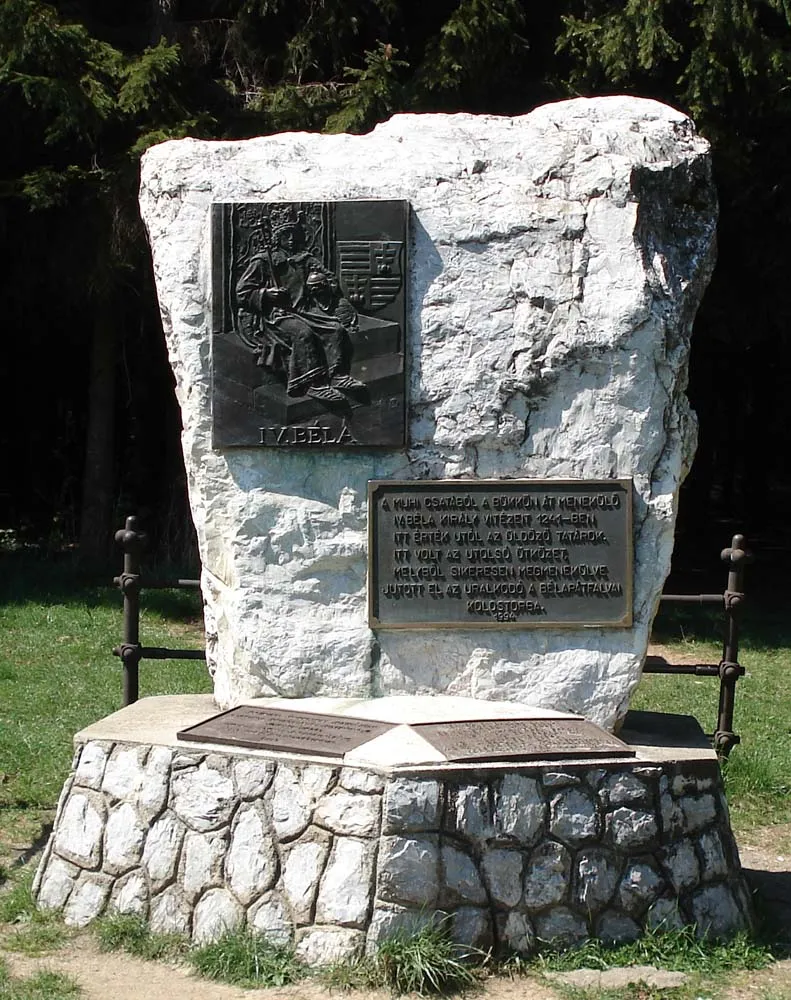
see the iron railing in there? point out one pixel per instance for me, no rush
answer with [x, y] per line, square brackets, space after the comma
[728, 669]
[131, 651]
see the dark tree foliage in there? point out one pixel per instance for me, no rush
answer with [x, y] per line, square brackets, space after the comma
[82, 100]
[728, 64]
[90, 428]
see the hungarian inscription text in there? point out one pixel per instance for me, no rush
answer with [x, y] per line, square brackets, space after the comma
[518, 553]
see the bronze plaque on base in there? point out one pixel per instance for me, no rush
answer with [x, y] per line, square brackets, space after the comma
[260, 728]
[309, 305]
[516, 553]
[522, 739]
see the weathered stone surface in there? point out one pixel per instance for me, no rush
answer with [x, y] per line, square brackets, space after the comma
[716, 913]
[349, 814]
[597, 874]
[170, 912]
[639, 886]
[161, 853]
[302, 867]
[202, 797]
[269, 918]
[471, 812]
[503, 873]
[672, 818]
[56, 884]
[547, 875]
[47, 854]
[714, 863]
[622, 788]
[153, 793]
[123, 773]
[664, 915]
[183, 760]
[388, 920]
[296, 791]
[559, 779]
[219, 762]
[251, 865]
[90, 769]
[78, 837]
[471, 926]
[411, 806]
[461, 881]
[327, 945]
[616, 928]
[123, 839]
[408, 871]
[216, 914]
[87, 899]
[346, 887]
[130, 895]
[518, 933]
[519, 809]
[202, 860]
[699, 811]
[573, 816]
[139, 775]
[649, 773]
[684, 783]
[354, 779]
[681, 864]
[632, 828]
[557, 349]
[560, 927]
[252, 777]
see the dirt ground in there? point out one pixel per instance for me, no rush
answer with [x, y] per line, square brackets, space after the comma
[766, 858]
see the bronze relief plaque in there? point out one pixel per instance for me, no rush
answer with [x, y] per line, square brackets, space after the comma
[309, 304]
[500, 554]
[522, 739]
[263, 728]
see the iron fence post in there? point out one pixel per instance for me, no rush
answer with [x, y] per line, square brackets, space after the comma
[132, 541]
[729, 668]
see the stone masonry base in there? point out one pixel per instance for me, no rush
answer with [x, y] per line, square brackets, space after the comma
[335, 858]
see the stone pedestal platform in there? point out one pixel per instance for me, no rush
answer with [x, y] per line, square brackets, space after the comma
[336, 854]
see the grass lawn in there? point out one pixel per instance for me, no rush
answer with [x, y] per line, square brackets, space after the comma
[758, 773]
[57, 675]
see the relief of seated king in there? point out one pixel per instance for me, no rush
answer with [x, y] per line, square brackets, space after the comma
[303, 320]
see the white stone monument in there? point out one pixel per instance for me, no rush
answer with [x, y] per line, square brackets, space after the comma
[555, 263]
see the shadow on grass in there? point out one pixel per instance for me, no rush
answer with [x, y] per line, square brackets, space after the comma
[56, 578]
[772, 900]
[761, 629]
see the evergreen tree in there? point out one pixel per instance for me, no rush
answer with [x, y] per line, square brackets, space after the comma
[86, 86]
[727, 63]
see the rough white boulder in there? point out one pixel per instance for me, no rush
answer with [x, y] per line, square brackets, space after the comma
[556, 263]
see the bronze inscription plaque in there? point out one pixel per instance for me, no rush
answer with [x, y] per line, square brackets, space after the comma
[499, 554]
[281, 729]
[308, 324]
[522, 739]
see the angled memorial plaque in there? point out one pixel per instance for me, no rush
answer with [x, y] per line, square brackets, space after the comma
[522, 739]
[261, 728]
[308, 324]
